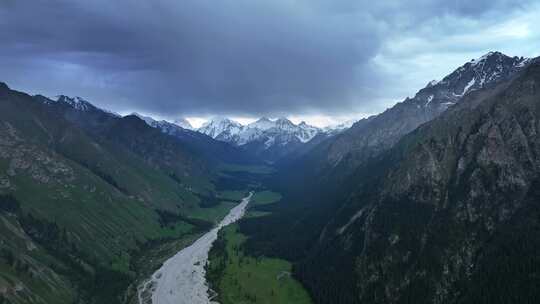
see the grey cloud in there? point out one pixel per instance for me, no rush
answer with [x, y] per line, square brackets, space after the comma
[197, 57]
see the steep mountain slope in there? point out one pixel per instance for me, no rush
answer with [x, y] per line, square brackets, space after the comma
[81, 191]
[329, 164]
[111, 146]
[447, 214]
[371, 136]
[455, 217]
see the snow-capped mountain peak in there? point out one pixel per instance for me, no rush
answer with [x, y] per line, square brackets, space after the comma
[263, 123]
[221, 128]
[283, 120]
[307, 132]
[272, 132]
[285, 124]
[76, 102]
[183, 123]
[340, 127]
[222, 121]
[476, 74]
[483, 71]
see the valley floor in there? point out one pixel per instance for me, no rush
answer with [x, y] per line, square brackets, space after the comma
[241, 279]
[181, 279]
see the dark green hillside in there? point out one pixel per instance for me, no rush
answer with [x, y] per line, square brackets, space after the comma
[76, 203]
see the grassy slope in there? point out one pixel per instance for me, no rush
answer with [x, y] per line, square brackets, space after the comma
[18, 258]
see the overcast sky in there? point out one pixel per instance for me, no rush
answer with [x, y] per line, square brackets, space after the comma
[323, 61]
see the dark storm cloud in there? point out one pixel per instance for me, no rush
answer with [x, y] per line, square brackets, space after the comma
[197, 57]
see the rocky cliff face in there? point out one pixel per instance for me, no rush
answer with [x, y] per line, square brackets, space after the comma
[453, 214]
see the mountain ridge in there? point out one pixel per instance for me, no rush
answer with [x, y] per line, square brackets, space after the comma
[76, 199]
[455, 187]
[405, 222]
[272, 140]
[371, 136]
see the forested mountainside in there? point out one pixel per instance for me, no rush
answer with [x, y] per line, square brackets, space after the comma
[82, 191]
[449, 214]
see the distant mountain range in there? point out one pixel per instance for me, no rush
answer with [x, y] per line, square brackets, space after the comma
[273, 132]
[269, 139]
[265, 138]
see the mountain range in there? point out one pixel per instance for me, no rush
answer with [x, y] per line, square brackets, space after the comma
[269, 140]
[272, 132]
[265, 139]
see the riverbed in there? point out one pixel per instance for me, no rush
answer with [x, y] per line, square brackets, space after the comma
[181, 279]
